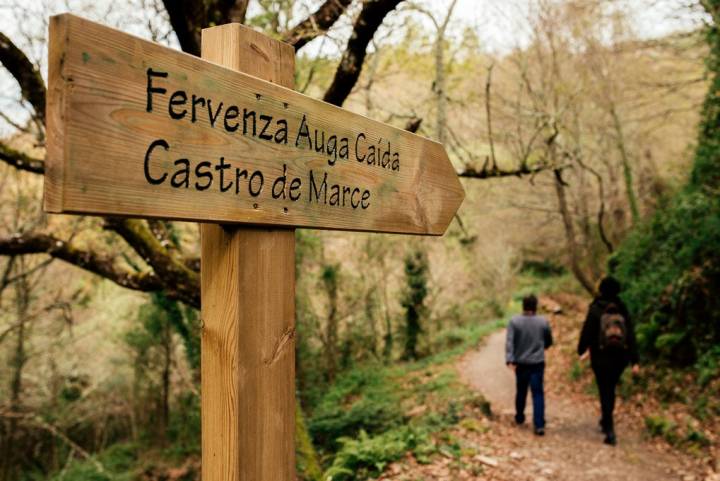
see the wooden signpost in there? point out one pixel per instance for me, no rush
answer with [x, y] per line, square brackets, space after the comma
[138, 129]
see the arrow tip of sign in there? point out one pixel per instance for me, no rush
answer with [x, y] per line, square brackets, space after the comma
[439, 189]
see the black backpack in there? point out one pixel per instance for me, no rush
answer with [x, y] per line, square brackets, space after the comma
[613, 329]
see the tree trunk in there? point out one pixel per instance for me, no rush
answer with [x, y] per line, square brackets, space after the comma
[16, 383]
[570, 235]
[416, 267]
[627, 168]
[308, 462]
[330, 282]
[370, 311]
[167, 365]
[388, 338]
[440, 93]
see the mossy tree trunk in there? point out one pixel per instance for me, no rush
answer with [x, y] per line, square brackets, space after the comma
[330, 275]
[416, 271]
[308, 464]
[706, 168]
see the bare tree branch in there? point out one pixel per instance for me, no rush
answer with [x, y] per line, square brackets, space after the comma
[490, 171]
[28, 77]
[572, 245]
[601, 210]
[101, 265]
[413, 124]
[20, 160]
[368, 21]
[5, 278]
[38, 421]
[176, 275]
[316, 24]
[488, 112]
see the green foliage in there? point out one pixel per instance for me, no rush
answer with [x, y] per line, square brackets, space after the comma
[448, 339]
[361, 417]
[307, 245]
[690, 437]
[155, 318]
[187, 326]
[670, 266]
[576, 371]
[308, 466]
[474, 425]
[708, 366]
[696, 438]
[706, 168]
[184, 429]
[152, 342]
[365, 456]
[83, 472]
[447, 343]
[329, 276]
[538, 280]
[362, 399]
[542, 268]
[630, 385]
[118, 463]
[461, 314]
[659, 426]
[479, 401]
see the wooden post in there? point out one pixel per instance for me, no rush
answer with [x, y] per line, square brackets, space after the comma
[248, 311]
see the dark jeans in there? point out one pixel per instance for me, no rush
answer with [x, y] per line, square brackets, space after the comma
[530, 375]
[607, 378]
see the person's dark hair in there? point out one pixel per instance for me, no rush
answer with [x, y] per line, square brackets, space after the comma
[530, 303]
[609, 288]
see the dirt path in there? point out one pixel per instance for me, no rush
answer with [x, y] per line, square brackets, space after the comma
[495, 449]
[572, 448]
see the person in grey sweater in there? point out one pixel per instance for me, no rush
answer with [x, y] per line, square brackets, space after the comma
[528, 335]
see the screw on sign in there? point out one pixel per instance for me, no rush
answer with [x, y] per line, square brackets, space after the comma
[137, 129]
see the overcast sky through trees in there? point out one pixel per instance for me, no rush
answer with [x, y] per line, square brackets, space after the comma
[500, 24]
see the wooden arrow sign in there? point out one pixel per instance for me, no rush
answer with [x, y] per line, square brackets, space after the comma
[138, 129]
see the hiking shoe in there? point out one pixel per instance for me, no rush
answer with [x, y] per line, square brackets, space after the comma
[610, 439]
[539, 431]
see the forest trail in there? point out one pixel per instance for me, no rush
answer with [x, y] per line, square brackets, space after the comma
[493, 448]
[572, 447]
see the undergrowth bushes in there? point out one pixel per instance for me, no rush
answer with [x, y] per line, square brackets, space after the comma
[361, 400]
[374, 414]
[671, 268]
[365, 456]
[671, 264]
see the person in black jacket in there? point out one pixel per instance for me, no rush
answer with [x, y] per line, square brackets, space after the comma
[608, 361]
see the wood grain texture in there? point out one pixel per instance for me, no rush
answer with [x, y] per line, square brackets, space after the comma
[248, 312]
[55, 112]
[98, 82]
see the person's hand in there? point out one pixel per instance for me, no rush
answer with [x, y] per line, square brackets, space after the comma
[511, 366]
[636, 369]
[585, 356]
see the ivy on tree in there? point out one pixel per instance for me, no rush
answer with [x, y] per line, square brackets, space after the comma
[416, 271]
